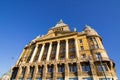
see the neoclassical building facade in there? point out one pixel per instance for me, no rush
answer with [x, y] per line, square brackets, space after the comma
[62, 54]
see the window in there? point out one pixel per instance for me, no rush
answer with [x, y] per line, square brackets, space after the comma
[53, 52]
[29, 79]
[82, 48]
[31, 69]
[50, 69]
[72, 68]
[21, 79]
[73, 78]
[81, 41]
[92, 46]
[72, 49]
[97, 46]
[60, 78]
[72, 57]
[105, 79]
[61, 57]
[49, 79]
[98, 56]
[61, 68]
[103, 67]
[38, 78]
[62, 51]
[83, 55]
[40, 69]
[23, 70]
[89, 78]
[85, 67]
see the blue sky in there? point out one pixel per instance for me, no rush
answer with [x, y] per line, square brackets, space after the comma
[23, 20]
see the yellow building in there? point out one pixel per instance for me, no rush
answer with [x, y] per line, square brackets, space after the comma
[62, 54]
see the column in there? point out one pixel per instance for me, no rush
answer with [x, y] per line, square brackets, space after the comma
[76, 48]
[49, 51]
[33, 55]
[58, 48]
[41, 52]
[66, 55]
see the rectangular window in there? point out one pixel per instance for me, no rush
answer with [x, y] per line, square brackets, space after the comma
[61, 68]
[38, 78]
[72, 49]
[21, 79]
[29, 79]
[49, 79]
[97, 46]
[85, 67]
[105, 79]
[72, 57]
[89, 78]
[102, 67]
[81, 47]
[72, 68]
[40, 69]
[83, 55]
[50, 69]
[98, 56]
[81, 41]
[73, 78]
[92, 47]
[60, 78]
[31, 69]
[23, 70]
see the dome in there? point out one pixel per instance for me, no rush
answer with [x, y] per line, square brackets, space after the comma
[89, 31]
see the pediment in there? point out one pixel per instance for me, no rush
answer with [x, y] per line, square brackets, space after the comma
[55, 34]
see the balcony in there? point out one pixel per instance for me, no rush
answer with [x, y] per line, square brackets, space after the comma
[100, 73]
[102, 59]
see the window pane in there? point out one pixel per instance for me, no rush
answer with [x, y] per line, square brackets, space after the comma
[88, 68]
[29, 78]
[39, 79]
[73, 78]
[87, 78]
[100, 68]
[60, 78]
[105, 79]
[83, 68]
[21, 79]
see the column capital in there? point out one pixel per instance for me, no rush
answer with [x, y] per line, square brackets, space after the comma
[58, 41]
[66, 39]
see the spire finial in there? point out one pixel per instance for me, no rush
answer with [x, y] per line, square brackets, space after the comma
[61, 21]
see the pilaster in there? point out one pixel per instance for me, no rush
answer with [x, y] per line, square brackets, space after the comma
[66, 71]
[35, 72]
[26, 72]
[79, 71]
[19, 72]
[44, 72]
[93, 71]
